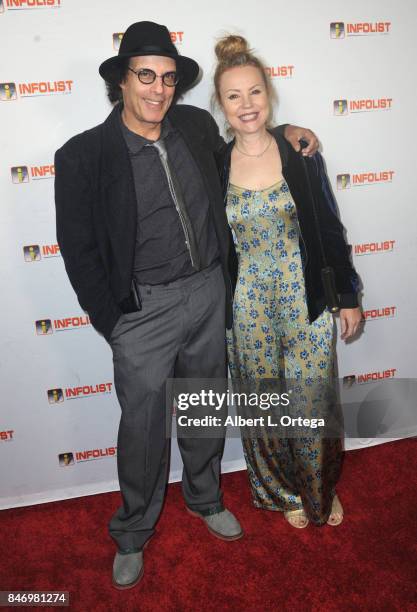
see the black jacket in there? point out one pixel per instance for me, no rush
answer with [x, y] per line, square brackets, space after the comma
[336, 250]
[96, 211]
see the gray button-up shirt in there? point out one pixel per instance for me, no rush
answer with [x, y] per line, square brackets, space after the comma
[161, 255]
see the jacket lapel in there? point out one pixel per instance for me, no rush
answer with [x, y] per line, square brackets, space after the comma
[118, 190]
[194, 138]
[293, 174]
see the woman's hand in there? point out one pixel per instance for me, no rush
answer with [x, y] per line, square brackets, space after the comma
[350, 319]
[294, 133]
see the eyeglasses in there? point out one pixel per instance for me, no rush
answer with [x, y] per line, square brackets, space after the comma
[148, 76]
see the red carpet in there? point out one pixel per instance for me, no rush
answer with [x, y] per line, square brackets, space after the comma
[367, 563]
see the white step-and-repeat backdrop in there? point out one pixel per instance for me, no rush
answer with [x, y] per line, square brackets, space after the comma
[345, 69]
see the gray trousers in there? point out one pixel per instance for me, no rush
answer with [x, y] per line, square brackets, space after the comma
[180, 331]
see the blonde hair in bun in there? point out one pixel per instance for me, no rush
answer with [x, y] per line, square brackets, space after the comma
[230, 45]
[231, 51]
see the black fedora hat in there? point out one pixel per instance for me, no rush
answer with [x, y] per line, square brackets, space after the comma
[148, 38]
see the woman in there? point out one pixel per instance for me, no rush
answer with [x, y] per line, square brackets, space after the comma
[282, 327]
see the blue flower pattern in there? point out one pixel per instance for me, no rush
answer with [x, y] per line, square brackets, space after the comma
[272, 337]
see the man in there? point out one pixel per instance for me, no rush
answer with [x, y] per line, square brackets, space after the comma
[145, 241]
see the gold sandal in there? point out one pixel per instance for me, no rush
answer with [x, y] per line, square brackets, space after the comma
[336, 509]
[297, 518]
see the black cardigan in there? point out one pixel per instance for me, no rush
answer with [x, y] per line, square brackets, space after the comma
[336, 250]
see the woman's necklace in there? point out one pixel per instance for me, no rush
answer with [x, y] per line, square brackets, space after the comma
[257, 154]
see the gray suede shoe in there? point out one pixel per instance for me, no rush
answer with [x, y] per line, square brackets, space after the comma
[223, 525]
[127, 570]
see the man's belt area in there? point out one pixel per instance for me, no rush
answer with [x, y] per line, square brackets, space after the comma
[133, 302]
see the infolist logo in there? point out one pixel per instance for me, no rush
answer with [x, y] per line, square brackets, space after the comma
[6, 435]
[20, 174]
[374, 248]
[66, 459]
[70, 458]
[117, 39]
[47, 326]
[373, 376]
[363, 105]
[88, 390]
[376, 314]
[343, 181]
[43, 327]
[71, 323]
[360, 379]
[24, 5]
[176, 37]
[45, 88]
[363, 179]
[284, 72]
[340, 107]
[32, 253]
[95, 453]
[55, 396]
[349, 381]
[8, 92]
[35, 252]
[338, 29]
